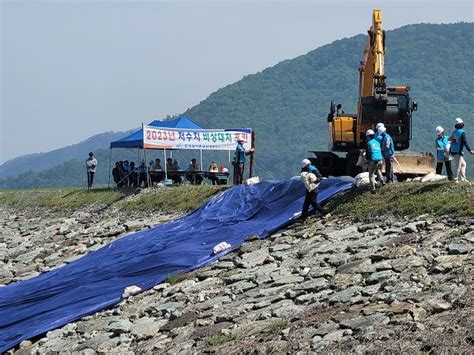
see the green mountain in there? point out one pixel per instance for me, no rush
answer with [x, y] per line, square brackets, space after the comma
[287, 104]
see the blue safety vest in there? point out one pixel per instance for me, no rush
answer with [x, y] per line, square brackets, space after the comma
[387, 152]
[456, 145]
[375, 151]
[378, 137]
[240, 153]
[314, 170]
[441, 143]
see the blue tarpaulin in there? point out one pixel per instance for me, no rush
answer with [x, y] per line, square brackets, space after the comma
[146, 258]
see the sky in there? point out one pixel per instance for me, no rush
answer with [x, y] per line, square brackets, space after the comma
[71, 69]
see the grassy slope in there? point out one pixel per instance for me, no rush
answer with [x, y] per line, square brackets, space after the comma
[181, 198]
[408, 199]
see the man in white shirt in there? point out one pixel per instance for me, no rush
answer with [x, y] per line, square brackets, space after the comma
[91, 164]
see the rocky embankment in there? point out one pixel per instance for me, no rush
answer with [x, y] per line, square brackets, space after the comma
[331, 284]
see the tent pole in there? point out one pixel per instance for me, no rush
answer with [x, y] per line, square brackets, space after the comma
[166, 168]
[110, 166]
[252, 155]
[146, 166]
[200, 153]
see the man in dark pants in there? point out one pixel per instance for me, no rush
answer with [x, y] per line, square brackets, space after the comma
[142, 174]
[239, 161]
[91, 163]
[116, 173]
[388, 151]
[442, 153]
[311, 181]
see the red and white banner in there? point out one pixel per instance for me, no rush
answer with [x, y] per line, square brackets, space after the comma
[206, 139]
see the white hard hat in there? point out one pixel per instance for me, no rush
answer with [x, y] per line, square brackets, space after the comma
[369, 132]
[439, 130]
[459, 120]
[381, 129]
[378, 125]
[305, 162]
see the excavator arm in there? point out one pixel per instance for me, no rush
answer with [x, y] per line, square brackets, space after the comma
[372, 66]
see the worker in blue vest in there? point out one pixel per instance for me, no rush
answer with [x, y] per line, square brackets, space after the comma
[377, 136]
[239, 161]
[443, 156]
[458, 141]
[388, 151]
[373, 154]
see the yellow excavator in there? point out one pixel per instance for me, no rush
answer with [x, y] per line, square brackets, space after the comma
[378, 102]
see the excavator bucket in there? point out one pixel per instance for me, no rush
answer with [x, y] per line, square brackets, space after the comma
[408, 165]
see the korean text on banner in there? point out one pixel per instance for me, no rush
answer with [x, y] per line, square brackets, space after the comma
[206, 139]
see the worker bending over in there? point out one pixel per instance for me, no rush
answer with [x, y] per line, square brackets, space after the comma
[311, 181]
[374, 156]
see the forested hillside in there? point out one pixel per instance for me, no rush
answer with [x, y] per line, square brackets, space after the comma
[287, 104]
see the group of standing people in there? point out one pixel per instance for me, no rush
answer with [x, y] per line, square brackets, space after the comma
[380, 148]
[450, 148]
[126, 174]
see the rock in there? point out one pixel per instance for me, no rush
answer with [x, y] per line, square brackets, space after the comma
[280, 280]
[322, 272]
[409, 262]
[313, 285]
[337, 335]
[351, 232]
[375, 308]
[356, 267]
[134, 225]
[371, 289]
[344, 280]
[242, 286]
[332, 247]
[146, 328]
[119, 326]
[418, 314]
[345, 295]
[326, 328]
[286, 309]
[363, 322]
[269, 259]
[367, 227]
[252, 259]
[411, 227]
[210, 330]
[436, 305]
[398, 307]
[380, 276]
[30, 256]
[179, 322]
[458, 248]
